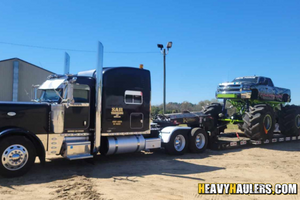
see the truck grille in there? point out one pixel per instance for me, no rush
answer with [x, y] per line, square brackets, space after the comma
[229, 88]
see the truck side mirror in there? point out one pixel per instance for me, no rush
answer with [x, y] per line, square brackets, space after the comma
[34, 93]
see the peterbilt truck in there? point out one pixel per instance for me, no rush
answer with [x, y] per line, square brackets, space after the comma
[104, 111]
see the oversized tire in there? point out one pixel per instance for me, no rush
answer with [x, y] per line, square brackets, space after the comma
[259, 122]
[198, 140]
[289, 120]
[178, 144]
[240, 126]
[17, 156]
[214, 110]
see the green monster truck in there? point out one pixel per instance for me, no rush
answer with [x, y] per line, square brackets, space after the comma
[259, 106]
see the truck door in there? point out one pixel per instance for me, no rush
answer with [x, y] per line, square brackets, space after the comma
[265, 91]
[77, 114]
[270, 89]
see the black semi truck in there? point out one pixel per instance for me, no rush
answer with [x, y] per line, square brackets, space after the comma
[104, 111]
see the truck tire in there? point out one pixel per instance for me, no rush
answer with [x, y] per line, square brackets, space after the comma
[289, 120]
[178, 144]
[198, 140]
[259, 122]
[17, 156]
[214, 110]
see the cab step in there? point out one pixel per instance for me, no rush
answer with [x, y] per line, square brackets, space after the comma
[75, 150]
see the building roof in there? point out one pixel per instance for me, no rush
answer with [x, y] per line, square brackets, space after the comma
[27, 63]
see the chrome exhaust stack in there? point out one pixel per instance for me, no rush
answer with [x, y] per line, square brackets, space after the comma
[67, 64]
[98, 97]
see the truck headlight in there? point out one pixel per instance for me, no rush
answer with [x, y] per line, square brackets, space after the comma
[246, 88]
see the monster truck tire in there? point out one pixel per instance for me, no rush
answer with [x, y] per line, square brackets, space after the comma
[259, 122]
[240, 126]
[289, 120]
[285, 98]
[214, 110]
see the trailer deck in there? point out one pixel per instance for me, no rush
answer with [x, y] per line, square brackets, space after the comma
[234, 140]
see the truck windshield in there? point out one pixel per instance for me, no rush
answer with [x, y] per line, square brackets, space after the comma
[246, 79]
[51, 95]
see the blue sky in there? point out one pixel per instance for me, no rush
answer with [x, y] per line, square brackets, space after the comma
[213, 40]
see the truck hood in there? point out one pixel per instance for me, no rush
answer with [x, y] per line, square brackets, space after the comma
[33, 117]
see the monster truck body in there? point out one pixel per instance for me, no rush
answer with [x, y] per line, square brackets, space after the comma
[253, 87]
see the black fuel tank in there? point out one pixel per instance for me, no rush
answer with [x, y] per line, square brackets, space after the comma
[33, 117]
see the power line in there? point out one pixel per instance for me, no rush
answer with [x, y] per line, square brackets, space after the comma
[75, 50]
[43, 47]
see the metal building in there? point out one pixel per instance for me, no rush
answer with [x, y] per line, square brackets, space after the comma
[17, 77]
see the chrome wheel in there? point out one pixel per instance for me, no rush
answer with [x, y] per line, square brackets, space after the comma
[14, 157]
[179, 143]
[200, 141]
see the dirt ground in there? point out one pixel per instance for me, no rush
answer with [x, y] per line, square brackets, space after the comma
[157, 175]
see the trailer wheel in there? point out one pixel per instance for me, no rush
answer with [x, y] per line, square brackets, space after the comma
[17, 156]
[198, 140]
[178, 144]
[259, 122]
[289, 120]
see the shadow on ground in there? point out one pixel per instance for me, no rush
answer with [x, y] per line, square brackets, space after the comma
[117, 167]
[128, 166]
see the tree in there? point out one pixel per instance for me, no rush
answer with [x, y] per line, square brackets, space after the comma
[174, 107]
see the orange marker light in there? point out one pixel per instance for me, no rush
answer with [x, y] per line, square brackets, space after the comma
[141, 66]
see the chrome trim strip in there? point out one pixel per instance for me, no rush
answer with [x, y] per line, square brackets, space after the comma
[126, 133]
[234, 92]
[78, 104]
[55, 142]
[75, 131]
[74, 134]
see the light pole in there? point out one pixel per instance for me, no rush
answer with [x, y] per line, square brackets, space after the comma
[164, 52]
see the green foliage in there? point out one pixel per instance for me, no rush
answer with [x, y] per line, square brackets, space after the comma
[174, 107]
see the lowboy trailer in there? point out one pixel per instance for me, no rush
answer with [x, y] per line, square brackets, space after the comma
[215, 139]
